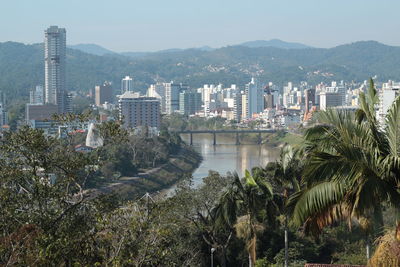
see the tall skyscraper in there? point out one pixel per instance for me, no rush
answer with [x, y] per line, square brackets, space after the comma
[126, 84]
[254, 97]
[55, 61]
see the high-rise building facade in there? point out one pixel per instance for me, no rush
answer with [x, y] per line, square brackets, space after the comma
[268, 98]
[329, 100]
[136, 111]
[387, 95]
[36, 96]
[3, 98]
[237, 106]
[55, 63]
[3, 116]
[158, 91]
[189, 102]
[126, 84]
[254, 98]
[103, 93]
[309, 95]
[172, 91]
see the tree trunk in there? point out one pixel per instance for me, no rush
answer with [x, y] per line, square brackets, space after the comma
[398, 231]
[252, 251]
[367, 248]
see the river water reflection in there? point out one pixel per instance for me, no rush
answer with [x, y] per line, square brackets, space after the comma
[228, 157]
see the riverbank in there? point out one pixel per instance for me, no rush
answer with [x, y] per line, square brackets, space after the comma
[281, 138]
[153, 180]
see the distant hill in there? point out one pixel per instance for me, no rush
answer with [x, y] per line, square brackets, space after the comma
[275, 43]
[22, 66]
[171, 50]
[101, 51]
[92, 49]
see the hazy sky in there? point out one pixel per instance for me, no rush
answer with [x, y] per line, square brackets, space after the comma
[147, 25]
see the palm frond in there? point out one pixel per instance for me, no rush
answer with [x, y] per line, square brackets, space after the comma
[316, 200]
[392, 128]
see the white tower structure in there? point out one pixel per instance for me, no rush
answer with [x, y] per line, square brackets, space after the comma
[55, 61]
[126, 84]
[254, 98]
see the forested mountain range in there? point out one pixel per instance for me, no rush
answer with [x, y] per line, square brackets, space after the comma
[22, 66]
[98, 50]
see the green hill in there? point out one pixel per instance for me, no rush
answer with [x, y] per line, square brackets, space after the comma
[22, 66]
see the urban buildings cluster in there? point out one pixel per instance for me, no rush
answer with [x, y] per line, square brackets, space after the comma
[265, 103]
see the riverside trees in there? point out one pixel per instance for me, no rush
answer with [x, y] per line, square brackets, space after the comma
[348, 170]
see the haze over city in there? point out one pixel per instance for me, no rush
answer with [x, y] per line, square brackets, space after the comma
[125, 25]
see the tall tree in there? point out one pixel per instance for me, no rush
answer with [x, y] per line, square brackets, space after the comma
[286, 176]
[244, 206]
[352, 166]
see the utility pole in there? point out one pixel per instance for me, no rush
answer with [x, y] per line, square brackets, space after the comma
[212, 257]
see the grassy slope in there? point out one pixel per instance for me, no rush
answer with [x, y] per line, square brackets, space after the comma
[280, 139]
[154, 180]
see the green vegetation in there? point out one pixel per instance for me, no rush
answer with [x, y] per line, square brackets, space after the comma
[282, 137]
[178, 122]
[22, 66]
[351, 170]
[345, 173]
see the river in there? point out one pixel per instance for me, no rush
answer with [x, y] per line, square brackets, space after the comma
[228, 157]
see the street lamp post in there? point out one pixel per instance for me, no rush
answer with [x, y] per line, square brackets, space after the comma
[212, 257]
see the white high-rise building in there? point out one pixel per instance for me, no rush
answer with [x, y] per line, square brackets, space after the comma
[387, 95]
[158, 91]
[254, 98]
[55, 61]
[126, 84]
[172, 91]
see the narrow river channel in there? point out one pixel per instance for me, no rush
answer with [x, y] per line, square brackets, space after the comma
[228, 157]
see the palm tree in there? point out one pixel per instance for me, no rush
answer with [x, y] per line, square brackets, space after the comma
[241, 208]
[352, 166]
[287, 175]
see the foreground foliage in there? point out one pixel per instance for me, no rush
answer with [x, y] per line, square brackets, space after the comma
[352, 169]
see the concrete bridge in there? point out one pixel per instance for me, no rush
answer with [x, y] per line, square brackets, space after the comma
[237, 132]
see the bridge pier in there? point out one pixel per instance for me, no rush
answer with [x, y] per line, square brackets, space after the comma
[237, 139]
[215, 139]
[259, 138]
[191, 139]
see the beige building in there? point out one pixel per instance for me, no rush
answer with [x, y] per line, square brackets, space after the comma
[103, 93]
[244, 107]
[136, 111]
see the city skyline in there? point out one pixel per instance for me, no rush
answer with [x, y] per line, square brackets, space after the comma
[129, 26]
